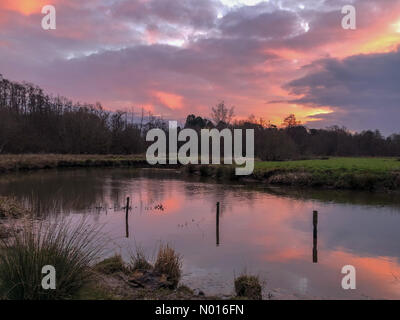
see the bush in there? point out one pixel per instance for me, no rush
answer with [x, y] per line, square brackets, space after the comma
[169, 263]
[69, 248]
[247, 286]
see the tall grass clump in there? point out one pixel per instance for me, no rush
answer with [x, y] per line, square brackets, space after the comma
[169, 262]
[139, 261]
[248, 286]
[70, 248]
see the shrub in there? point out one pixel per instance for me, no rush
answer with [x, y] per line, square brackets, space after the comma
[247, 286]
[169, 263]
[69, 247]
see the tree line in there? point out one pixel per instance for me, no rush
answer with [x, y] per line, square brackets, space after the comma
[292, 140]
[34, 122]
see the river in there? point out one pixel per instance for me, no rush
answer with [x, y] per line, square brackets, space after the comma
[263, 231]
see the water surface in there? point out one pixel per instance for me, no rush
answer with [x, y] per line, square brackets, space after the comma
[268, 232]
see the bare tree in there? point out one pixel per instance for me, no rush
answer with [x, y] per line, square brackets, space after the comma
[221, 113]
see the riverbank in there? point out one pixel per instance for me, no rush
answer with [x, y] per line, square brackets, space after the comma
[368, 174]
[28, 162]
[113, 279]
[74, 252]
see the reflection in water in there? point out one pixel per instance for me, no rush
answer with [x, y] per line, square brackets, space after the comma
[267, 232]
[127, 217]
[315, 236]
[217, 223]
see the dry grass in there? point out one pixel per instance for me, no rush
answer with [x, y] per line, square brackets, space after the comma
[139, 261]
[69, 247]
[249, 287]
[23, 162]
[10, 208]
[169, 263]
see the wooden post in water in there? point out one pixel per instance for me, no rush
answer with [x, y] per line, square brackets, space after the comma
[127, 217]
[217, 224]
[315, 237]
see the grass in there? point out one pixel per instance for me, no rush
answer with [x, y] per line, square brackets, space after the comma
[69, 248]
[111, 265]
[169, 262]
[10, 208]
[139, 279]
[94, 291]
[248, 287]
[25, 162]
[340, 173]
[369, 174]
[139, 261]
[354, 165]
[336, 172]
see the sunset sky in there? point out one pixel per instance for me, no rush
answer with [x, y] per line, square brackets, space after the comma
[175, 57]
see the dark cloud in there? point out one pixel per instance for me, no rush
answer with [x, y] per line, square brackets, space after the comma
[259, 21]
[203, 73]
[125, 51]
[194, 13]
[363, 87]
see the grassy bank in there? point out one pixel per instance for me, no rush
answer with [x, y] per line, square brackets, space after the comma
[68, 248]
[339, 173]
[73, 251]
[25, 162]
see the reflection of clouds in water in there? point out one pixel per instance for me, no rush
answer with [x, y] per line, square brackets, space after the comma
[266, 233]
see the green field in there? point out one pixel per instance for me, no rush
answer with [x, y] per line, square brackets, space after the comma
[351, 165]
[337, 173]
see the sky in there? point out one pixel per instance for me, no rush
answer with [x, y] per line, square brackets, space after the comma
[176, 57]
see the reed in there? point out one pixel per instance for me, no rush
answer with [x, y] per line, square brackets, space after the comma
[70, 248]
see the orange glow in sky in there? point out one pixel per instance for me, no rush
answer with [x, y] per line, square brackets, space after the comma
[183, 68]
[171, 100]
[25, 7]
